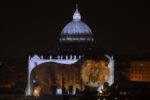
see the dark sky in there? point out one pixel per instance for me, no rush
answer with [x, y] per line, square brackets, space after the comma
[121, 26]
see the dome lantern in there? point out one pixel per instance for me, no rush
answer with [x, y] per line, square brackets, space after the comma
[77, 16]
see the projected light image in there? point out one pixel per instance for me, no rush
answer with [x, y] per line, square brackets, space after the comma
[94, 73]
[57, 75]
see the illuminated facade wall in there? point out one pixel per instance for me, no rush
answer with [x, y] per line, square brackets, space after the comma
[139, 71]
[36, 60]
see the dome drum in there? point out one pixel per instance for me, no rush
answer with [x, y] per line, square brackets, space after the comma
[77, 38]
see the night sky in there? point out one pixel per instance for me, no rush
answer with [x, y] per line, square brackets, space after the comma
[120, 27]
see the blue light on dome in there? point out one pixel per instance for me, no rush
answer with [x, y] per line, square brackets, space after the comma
[76, 27]
[76, 30]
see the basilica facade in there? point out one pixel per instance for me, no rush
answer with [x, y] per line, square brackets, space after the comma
[66, 67]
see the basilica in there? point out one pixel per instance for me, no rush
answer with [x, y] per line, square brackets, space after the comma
[70, 64]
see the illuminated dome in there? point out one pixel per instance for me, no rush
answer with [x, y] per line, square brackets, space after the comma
[76, 30]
